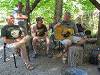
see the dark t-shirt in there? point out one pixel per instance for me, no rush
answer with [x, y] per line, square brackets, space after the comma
[41, 31]
[11, 32]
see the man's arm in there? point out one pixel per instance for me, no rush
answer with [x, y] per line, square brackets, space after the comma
[33, 31]
[46, 31]
[22, 17]
[7, 40]
[4, 39]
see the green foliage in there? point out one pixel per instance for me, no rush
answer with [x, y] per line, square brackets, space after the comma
[46, 9]
[87, 5]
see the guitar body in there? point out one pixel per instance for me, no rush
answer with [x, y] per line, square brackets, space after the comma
[62, 32]
[58, 31]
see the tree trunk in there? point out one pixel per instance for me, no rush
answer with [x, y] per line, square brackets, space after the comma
[98, 36]
[29, 9]
[58, 10]
[95, 3]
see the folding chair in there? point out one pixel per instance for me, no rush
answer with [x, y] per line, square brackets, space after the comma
[5, 56]
[40, 47]
[56, 44]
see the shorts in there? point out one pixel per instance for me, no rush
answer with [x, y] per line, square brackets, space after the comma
[11, 47]
[76, 39]
[66, 42]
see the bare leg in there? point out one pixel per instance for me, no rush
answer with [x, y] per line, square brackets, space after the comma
[22, 41]
[47, 44]
[24, 54]
[21, 44]
[65, 51]
[35, 42]
[67, 45]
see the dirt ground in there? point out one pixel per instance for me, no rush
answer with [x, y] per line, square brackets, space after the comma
[43, 66]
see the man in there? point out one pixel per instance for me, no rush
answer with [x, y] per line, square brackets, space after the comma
[16, 10]
[20, 17]
[80, 29]
[11, 35]
[67, 23]
[21, 21]
[39, 31]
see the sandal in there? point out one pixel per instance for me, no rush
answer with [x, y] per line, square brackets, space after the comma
[29, 66]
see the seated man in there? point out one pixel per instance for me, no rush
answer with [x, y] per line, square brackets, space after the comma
[40, 31]
[11, 35]
[68, 38]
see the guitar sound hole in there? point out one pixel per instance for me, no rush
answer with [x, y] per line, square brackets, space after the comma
[67, 34]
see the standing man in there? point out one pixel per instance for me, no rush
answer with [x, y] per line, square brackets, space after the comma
[18, 8]
[21, 21]
[13, 38]
[20, 17]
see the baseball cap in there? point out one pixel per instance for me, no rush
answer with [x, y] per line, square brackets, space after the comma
[39, 18]
[68, 13]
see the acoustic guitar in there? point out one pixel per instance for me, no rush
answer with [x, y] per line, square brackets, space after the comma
[61, 32]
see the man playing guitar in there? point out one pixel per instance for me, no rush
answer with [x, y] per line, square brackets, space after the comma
[65, 31]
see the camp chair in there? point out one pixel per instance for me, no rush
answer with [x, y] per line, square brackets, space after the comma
[40, 47]
[56, 46]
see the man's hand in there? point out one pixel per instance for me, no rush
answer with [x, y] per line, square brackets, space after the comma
[58, 24]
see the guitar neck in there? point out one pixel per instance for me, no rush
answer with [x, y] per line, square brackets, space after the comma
[92, 39]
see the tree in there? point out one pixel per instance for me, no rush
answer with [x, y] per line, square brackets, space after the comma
[30, 8]
[97, 5]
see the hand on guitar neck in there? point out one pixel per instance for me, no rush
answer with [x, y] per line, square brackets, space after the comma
[57, 25]
[66, 34]
[91, 40]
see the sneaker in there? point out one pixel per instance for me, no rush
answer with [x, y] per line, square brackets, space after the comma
[36, 55]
